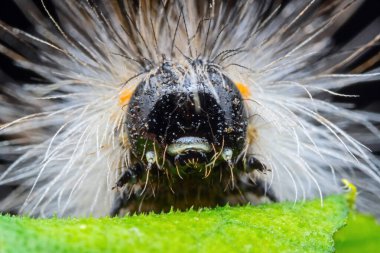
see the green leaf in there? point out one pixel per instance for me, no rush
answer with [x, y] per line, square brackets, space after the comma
[284, 227]
[362, 234]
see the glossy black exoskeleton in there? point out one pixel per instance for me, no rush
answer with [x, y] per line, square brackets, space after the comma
[187, 130]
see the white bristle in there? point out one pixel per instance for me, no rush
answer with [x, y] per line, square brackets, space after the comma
[67, 133]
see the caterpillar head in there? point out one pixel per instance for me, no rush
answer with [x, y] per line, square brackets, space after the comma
[188, 116]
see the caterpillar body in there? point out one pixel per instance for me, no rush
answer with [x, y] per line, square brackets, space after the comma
[151, 105]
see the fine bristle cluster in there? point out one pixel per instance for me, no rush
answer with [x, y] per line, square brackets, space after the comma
[63, 142]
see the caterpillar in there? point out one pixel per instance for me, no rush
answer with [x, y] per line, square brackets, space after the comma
[140, 106]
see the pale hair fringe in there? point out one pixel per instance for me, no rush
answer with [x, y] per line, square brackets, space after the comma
[67, 133]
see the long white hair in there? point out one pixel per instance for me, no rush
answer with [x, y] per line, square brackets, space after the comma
[61, 135]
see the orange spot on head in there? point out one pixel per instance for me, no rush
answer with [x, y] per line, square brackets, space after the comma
[244, 90]
[125, 96]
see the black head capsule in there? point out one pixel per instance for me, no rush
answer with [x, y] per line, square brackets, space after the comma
[192, 116]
